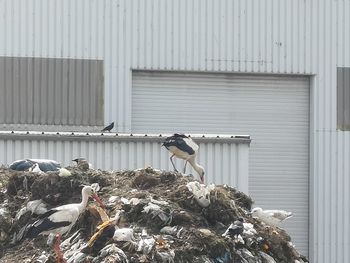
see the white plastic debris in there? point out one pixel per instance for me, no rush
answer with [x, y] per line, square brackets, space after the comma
[151, 207]
[145, 245]
[124, 234]
[249, 230]
[266, 257]
[159, 202]
[144, 233]
[37, 207]
[172, 230]
[166, 256]
[72, 248]
[112, 200]
[95, 186]
[246, 253]
[21, 212]
[3, 211]
[77, 257]
[111, 253]
[50, 239]
[201, 192]
[64, 172]
[43, 258]
[155, 210]
[132, 201]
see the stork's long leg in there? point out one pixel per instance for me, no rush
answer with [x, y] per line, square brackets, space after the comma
[171, 159]
[57, 249]
[185, 167]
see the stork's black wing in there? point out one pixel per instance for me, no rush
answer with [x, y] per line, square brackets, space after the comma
[178, 141]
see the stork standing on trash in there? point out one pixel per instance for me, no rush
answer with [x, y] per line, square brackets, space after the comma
[61, 219]
[184, 148]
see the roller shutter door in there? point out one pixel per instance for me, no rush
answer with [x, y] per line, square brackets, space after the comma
[274, 110]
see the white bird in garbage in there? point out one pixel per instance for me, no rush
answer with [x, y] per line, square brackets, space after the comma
[61, 219]
[184, 148]
[270, 217]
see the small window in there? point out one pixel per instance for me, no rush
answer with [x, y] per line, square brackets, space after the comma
[343, 99]
[51, 91]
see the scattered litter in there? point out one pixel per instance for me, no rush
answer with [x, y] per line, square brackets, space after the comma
[124, 234]
[151, 216]
[96, 187]
[64, 172]
[201, 192]
[37, 207]
[267, 258]
[146, 245]
[43, 258]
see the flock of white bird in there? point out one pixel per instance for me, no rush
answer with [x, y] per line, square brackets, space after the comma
[61, 219]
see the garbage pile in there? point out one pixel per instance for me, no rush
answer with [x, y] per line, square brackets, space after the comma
[150, 216]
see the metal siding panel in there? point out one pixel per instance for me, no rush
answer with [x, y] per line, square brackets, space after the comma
[78, 87]
[8, 93]
[86, 93]
[23, 89]
[58, 90]
[3, 100]
[51, 98]
[343, 98]
[43, 91]
[346, 87]
[340, 97]
[43, 94]
[15, 91]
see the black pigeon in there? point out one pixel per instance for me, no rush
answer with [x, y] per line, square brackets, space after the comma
[235, 229]
[108, 128]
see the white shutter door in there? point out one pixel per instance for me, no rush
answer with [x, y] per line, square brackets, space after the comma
[274, 110]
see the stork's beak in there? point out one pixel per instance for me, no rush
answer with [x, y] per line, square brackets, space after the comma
[202, 178]
[98, 200]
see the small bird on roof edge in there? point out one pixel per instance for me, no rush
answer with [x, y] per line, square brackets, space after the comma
[184, 148]
[108, 128]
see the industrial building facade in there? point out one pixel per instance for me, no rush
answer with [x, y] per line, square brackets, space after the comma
[274, 70]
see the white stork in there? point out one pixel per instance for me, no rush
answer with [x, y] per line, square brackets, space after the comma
[185, 148]
[270, 217]
[61, 219]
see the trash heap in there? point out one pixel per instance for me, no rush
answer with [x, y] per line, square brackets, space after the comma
[162, 217]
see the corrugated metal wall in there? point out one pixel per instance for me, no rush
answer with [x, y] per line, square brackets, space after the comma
[110, 152]
[343, 99]
[265, 36]
[51, 91]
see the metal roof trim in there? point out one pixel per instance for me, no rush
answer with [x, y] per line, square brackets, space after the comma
[85, 136]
